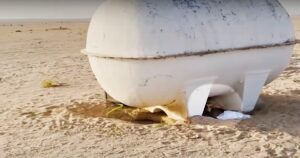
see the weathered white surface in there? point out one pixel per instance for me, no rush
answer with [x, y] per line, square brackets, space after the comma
[181, 85]
[144, 28]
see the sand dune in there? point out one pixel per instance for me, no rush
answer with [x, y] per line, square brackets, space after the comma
[64, 121]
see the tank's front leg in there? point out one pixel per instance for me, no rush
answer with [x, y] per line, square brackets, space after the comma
[197, 94]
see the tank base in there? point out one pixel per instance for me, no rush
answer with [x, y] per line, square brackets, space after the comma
[243, 99]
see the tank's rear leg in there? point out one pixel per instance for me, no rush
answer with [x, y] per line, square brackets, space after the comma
[251, 89]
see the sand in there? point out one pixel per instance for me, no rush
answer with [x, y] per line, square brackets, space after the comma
[65, 121]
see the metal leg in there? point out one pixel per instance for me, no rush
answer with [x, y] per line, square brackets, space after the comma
[109, 99]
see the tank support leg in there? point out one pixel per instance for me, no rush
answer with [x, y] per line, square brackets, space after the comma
[251, 89]
[109, 99]
[197, 96]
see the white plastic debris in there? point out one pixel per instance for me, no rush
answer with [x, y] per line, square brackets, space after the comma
[233, 115]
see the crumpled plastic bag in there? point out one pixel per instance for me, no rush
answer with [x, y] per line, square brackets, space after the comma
[233, 115]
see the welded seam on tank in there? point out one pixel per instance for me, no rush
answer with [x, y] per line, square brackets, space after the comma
[202, 53]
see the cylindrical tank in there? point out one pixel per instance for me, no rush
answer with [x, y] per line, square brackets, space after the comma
[174, 54]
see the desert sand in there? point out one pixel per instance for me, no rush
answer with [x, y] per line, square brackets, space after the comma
[65, 121]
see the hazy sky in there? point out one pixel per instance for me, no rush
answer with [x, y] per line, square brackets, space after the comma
[73, 9]
[293, 6]
[47, 9]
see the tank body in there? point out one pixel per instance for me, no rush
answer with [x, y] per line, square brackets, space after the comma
[172, 55]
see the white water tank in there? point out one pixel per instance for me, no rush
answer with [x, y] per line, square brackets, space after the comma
[174, 54]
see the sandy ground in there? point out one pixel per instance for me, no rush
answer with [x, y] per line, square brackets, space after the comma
[64, 121]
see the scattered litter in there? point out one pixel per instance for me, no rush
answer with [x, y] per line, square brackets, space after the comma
[233, 115]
